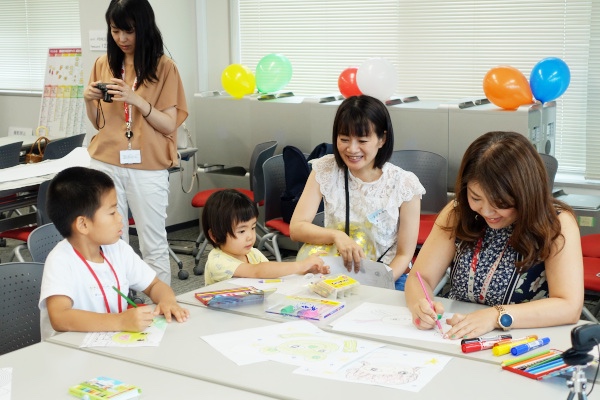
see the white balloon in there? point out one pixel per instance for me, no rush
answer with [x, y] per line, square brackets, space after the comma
[377, 77]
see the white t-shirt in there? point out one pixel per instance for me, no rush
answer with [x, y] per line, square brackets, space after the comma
[66, 274]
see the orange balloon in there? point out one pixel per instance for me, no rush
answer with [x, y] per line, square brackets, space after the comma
[507, 87]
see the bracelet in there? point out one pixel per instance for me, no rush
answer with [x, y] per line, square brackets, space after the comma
[146, 116]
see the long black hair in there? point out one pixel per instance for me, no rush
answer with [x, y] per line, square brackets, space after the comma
[130, 15]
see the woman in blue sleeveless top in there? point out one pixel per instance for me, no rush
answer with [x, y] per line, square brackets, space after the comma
[510, 245]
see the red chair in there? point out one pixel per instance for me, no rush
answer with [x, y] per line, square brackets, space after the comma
[261, 153]
[590, 248]
[432, 171]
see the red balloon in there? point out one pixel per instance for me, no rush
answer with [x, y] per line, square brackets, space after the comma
[507, 87]
[347, 83]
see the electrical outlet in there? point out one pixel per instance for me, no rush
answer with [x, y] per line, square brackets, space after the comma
[19, 131]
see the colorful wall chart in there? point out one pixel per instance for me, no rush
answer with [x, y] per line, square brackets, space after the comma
[63, 110]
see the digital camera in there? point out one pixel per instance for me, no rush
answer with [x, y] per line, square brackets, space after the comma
[107, 97]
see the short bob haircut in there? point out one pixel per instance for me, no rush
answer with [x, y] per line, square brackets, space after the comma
[223, 211]
[511, 174]
[138, 16]
[358, 116]
[76, 192]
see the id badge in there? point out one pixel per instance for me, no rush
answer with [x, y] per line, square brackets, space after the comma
[131, 156]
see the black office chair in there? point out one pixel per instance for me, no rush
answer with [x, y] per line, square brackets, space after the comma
[58, 148]
[551, 164]
[9, 154]
[20, 285]
[42, 240]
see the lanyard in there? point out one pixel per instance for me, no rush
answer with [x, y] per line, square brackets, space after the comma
[127, 109]
[98, 280]
[490, 274]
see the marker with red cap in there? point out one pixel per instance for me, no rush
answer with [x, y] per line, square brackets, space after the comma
[471, 347]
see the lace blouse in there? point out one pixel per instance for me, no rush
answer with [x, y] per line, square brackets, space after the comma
[495, 279]
[374, 206]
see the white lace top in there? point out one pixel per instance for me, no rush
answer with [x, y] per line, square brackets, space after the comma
[374, 206]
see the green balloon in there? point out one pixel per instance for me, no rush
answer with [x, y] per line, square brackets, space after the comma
[273, 72]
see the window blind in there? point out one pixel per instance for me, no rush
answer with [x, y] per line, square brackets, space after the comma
[28, 28]
[441, 49]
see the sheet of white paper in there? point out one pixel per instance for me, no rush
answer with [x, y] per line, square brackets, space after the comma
[5, 383]
[298, 343]
[16, 177]
[371, 273]
[388, 320]
[151, 336]
[397, 369]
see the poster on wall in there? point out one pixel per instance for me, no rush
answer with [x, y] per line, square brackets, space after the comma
[63, 109]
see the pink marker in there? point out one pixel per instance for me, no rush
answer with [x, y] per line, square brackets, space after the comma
[437, 321]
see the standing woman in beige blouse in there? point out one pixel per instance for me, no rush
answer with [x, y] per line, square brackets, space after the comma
[136, 142]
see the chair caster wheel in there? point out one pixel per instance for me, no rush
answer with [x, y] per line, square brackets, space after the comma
[183, 275]
[198, 270]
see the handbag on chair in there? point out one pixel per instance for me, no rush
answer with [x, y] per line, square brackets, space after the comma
[34, 157]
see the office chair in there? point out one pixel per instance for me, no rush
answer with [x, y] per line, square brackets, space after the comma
[9, 154]
[42, 240]
[590, 248]
[274, 182]
[432, 171]
[23, 233]
[261, 153]
[551, 164]
[58, 148]
[20, 285]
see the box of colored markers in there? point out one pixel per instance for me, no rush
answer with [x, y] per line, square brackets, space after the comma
[228, 298]
[538, 365]
[305, 307]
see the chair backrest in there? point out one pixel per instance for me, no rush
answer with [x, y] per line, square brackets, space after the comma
[9, 154]
[42, 214]
[20, 285]
[261, 153]
[551, 164]
[58, 148]
[432, 171]
[274, 183]
[42, 240]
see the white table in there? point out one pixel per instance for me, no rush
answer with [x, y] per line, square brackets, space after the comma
[182, 352]
[46, 371]
[560, 336]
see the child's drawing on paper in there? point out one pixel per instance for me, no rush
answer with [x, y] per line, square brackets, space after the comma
[388, 320]
[297, 343]
[151, 336]
[392, 373]
[396, 369]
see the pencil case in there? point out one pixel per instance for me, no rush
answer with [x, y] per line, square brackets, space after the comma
[539, 365]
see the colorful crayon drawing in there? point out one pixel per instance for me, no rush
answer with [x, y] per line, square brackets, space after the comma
[297, 343]
[392, 374]
[151, 336]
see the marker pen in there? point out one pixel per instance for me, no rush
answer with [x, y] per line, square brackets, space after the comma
[504, 346]
[270, 280]
[525, 347]
[485, 339]
[477, 346]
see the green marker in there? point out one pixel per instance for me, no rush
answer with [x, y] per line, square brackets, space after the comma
[131, 303]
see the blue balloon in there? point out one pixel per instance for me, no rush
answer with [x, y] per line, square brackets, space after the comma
[549, 79]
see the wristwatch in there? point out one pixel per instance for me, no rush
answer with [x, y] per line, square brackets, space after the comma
[505, 320]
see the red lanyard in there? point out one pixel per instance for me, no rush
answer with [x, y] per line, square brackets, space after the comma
[490, 274]
[98, 280]
[127, 107]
